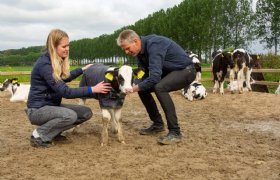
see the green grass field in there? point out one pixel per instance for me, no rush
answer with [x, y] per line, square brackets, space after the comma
[21, 78]
[26, 78]
[15, 68]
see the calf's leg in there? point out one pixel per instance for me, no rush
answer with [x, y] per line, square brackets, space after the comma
[222, 87]
[117, 123]
[216, 86]
[106, 117]
[240, 80]
[231, 79]
[248, 78]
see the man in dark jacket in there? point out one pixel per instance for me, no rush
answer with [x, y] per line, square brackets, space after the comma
[167, 68]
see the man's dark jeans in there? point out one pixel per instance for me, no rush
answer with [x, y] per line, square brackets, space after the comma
[173, 81]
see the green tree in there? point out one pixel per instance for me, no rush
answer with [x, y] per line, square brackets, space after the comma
[268, 22]
[242, 20]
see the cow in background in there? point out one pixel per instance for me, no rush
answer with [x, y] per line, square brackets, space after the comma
[220, 64]
[18, 90]
[197, 65]
[194, 91]
[121, 80]
[241, 70]
[257, 75]
[277, 91]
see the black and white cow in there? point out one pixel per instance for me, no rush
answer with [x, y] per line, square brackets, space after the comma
[18, 90]
[111, 103]
[197, 65]
[194, 91]
[277, 91]
[220, 64]
[241, 70]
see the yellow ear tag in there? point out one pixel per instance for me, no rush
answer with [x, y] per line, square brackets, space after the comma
[14, 81]
[109, 76]
[140, 74]
[258, 57]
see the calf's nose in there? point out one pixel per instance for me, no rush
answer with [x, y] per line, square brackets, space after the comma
[128, 90]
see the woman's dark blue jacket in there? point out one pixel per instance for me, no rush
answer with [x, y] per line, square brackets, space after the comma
[45, 90]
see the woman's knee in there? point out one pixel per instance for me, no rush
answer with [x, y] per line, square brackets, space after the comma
[84, 115]
[88, 114]
[69, 117]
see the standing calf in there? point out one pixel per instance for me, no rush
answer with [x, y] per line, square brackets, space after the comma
[241, 70]
[121, 80]
[221, 62]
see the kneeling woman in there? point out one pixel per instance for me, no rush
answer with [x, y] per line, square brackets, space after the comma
[48, 78]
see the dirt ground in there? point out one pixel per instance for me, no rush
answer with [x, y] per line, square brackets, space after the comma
[234, 136]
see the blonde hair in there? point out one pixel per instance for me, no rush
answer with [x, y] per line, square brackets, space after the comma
[61, 67]
[128, 36]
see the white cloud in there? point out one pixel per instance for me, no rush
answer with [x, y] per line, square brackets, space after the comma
[27, 22]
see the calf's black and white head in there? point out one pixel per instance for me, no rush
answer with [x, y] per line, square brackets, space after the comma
[241, 58]
[122, 78]
[9, 85]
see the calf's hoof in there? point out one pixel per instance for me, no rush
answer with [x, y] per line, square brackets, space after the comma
[103, 144]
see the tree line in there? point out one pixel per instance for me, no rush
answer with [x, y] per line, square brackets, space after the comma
[200, 26]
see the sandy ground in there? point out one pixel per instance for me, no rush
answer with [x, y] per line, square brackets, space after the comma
[234, 136]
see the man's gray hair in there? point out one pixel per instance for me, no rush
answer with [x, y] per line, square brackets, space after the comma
[128, 36]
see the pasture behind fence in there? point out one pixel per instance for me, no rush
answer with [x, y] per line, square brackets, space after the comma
[107, 61]
[268, 83]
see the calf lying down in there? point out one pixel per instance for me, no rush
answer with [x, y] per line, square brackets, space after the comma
[19, 91]
[111, 103]
[277, 91]
[233, 85]
[194, 91]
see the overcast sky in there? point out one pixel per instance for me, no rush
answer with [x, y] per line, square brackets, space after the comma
[27, 23]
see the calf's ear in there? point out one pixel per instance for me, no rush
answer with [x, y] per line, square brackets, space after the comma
[14, 80]
[139, 72]
[109, 75]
